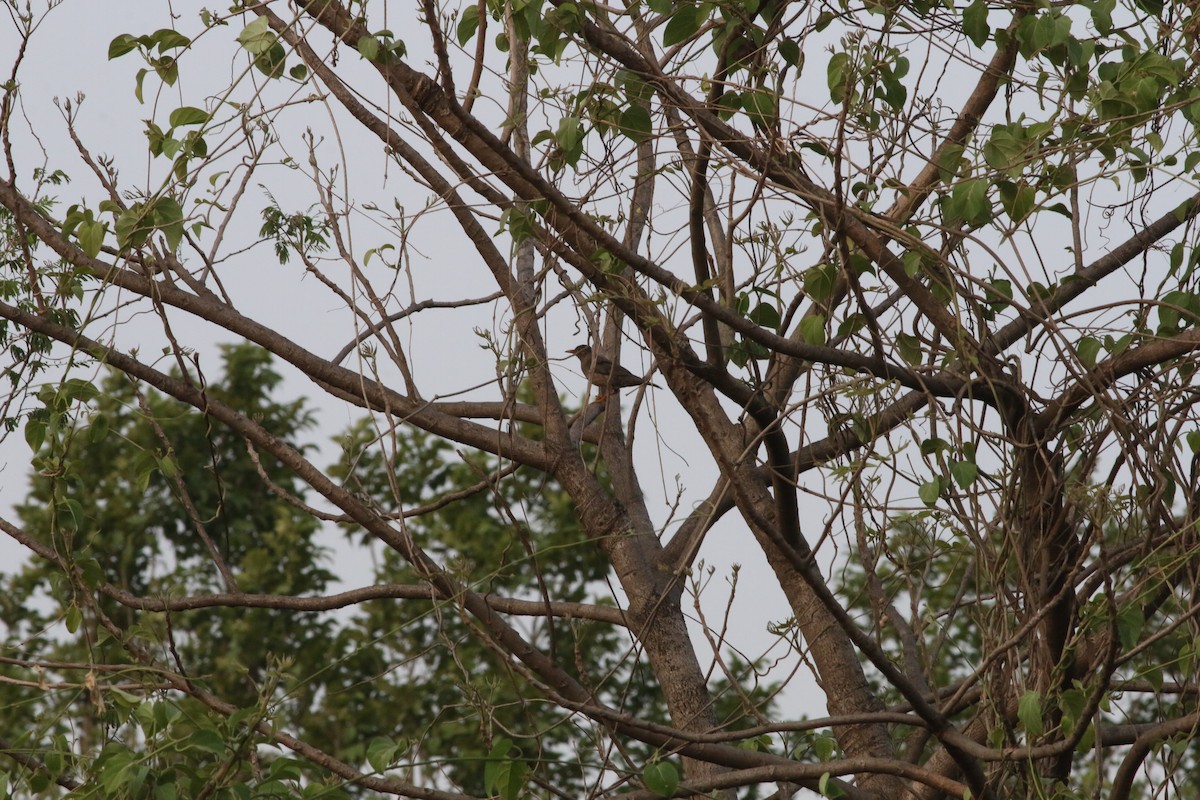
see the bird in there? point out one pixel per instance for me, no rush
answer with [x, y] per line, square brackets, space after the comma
[602, 372]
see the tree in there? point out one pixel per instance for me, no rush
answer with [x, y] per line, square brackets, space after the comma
[918, 281]
[160, 496]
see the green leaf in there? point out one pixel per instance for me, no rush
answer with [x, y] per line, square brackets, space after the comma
[168, 217]
[166, 39]
[975, 23]
[1018, 200]
[503, 773]
[137, 89]
[98, 430]
[1154, 676]
[852, 324]
[949, 162]
[116, 760]
[131, 227]
[964, 472]
[299, 72]
[661, 777]
[206, 740]
[121, 45]
[271, 61]
[968, 203]
[910, 349]
[934, 445]
[836, 76]
[468, 23]
[977, 210]
[1102, 15]
[1187, 656]
[1000, 293]
[1176, 259]
[196, 144]
[510, 780]
[368, 46]
[374, 251]
[1116, 346]
[569, 138]
[1012, 146]
[91, 571]
[286, 769]
[496, 756]
[188, 115]
[1088, 348]
[636, 90]
[569, 133]
[1129, 624]
[35, 431]
[167, 70]
[135, 225]
[766, 315]
[78, 390]
[824, 747]
[73, 618]
[70, 514]
[381, 753]
[635, 123]
[912, 263]
[91, 236]
[257, 37]
[1152, 7]
[1029, 712]
[684, 23]
[819, 282]
[789, 51]
[812, 328]
[894, 92]
[1071, 702]
[930, 491]
[760, 106]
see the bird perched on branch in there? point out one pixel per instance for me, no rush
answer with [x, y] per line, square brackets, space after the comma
[604, 373]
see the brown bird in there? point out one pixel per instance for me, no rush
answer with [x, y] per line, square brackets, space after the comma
[602, 372]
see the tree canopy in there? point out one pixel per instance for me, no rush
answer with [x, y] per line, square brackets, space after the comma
[915, 285]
